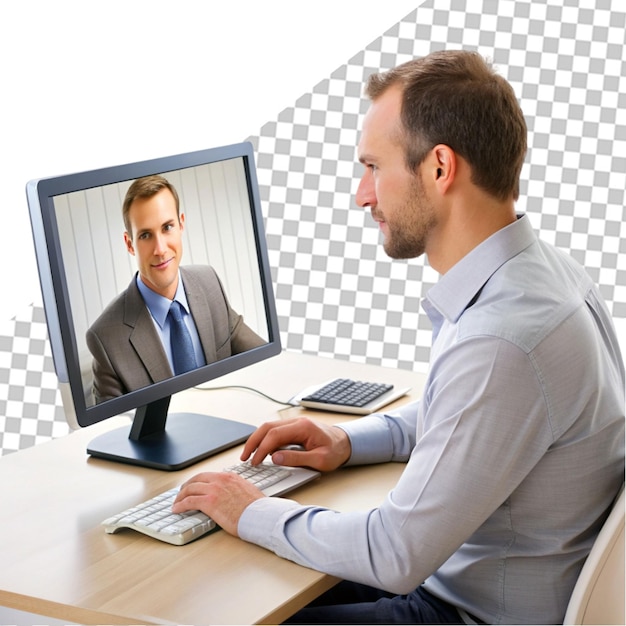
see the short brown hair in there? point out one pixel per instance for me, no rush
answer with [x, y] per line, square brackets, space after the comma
[456, 98]
[146, 187]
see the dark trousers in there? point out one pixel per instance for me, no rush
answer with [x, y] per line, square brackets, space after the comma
[352, 603]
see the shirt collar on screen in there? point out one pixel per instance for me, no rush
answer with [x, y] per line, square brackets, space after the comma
[159, 305]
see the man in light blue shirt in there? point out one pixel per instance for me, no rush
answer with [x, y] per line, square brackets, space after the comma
[515, 452]
[171, 318]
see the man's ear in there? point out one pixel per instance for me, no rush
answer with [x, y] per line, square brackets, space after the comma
[443, 167]
[181, 221]
[129, 243]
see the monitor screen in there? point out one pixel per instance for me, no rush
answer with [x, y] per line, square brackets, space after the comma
[115, 246]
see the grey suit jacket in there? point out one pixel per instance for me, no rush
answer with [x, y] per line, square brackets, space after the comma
[127, 351]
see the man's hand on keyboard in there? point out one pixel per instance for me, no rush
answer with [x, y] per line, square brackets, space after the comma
[323, 447]
[222, 496]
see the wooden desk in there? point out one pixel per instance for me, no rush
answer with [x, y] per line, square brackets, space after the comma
[57, 561]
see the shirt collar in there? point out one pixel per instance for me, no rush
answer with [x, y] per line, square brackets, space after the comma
[158, 305]
[456, 289]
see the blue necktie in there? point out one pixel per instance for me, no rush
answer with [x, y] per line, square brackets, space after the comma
[182, 347]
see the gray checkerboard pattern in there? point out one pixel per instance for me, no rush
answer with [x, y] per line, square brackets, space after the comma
[337, 293]
[31, 411]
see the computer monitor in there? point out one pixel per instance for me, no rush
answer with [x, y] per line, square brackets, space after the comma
[84, 265]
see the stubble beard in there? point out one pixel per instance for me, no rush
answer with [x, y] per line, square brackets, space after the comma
[408, 234]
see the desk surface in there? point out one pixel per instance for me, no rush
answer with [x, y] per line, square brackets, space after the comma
[57, 560]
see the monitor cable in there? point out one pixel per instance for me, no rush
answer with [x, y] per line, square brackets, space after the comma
[286, 405]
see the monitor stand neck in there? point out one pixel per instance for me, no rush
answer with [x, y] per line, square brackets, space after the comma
[150, 419]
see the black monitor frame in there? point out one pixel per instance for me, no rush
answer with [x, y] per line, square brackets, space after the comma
[186, 438]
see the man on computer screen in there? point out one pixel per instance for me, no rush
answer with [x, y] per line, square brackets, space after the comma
[170, 319]
[515, 451]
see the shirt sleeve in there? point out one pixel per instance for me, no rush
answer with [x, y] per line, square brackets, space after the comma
[382, 437]
[483, 408]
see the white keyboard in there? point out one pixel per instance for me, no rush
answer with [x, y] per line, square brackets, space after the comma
[154, 517]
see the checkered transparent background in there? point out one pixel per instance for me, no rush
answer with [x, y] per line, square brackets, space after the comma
[337, 293]
[30, 404]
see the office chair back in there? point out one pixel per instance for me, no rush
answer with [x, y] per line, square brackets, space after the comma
[598, 596]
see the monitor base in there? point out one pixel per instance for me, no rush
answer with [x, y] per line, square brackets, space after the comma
[187, 439]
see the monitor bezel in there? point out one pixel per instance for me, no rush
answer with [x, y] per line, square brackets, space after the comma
[57, 305]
